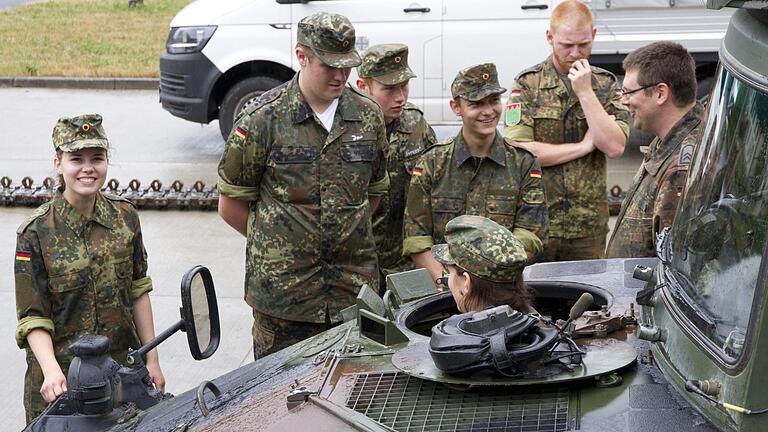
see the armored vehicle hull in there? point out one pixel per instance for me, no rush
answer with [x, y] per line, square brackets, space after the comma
[344, 380]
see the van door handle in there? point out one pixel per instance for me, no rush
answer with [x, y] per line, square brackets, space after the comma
[416, 9]
[534, 6]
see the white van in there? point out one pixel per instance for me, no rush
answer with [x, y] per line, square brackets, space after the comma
[220, 54]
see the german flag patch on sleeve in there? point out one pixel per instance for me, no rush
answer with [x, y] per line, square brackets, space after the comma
[536, 173]
[239, 132]
[23, 256]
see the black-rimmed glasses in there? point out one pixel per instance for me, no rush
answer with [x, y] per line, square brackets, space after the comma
[627, 92]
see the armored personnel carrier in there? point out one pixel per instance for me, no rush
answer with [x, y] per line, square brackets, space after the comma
[674, 343]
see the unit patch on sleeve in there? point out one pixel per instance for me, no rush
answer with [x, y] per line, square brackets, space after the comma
[512, 113]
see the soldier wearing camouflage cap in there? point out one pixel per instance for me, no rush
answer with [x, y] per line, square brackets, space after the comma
[485, 264]
[301, 171]
[570, 115]
[80, 268]
[474, 173]
[384, 76]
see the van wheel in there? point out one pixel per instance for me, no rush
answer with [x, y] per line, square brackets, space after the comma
[239, 97]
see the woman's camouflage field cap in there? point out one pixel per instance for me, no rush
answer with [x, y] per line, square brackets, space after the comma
[331, 37]
[477, 82]
[75, 133]
[483, 248]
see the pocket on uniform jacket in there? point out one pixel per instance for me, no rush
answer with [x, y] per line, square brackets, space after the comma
[124, 268]
[293, 155]
[443, 210]
[547, 112]
[503, 205]
[363, 152]
[447, 205]
[289, 168]
[69, 282]
[66, 301]
[124, 279]
[358, 169]
[547, 122]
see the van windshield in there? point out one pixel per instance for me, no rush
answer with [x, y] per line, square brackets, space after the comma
[718, 238]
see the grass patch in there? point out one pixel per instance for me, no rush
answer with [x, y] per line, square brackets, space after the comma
[85, 38]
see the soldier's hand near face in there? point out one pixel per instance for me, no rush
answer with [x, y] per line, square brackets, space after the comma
[581, 78]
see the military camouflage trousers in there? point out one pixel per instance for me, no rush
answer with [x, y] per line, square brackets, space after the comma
[561, 249]
[272, 334]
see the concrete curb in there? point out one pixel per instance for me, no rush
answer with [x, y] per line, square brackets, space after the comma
[81, 83]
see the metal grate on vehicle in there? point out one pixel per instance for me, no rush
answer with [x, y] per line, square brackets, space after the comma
[407, 404]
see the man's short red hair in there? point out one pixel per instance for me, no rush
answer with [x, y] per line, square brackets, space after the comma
[572, 13]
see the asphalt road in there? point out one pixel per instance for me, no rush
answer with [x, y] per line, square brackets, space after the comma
[148, 143]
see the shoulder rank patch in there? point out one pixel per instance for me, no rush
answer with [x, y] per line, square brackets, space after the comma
[512, 113]
[39, 212]
[686, 154]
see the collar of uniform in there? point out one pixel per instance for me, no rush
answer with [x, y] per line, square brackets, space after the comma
[302, 111]
[103, 213]
[661, 150]
[549, 76]
[402, 125]
[461, 152]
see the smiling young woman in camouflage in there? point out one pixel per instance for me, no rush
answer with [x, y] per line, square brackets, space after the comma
[80, 268]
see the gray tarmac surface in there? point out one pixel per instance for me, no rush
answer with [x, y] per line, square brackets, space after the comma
[148, 144]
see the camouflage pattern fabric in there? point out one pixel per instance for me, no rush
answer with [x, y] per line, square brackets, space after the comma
[75, 133]
[411, 137]
[560, 249]
[78, 276]
[476, 82]
[448, 182]
[331, 38]
[310, 242]
[271, 334]
[550, 112]
[651, 203]
[483, 248]
[386, 63]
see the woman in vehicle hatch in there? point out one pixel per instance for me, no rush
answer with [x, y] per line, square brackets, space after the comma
[80, 268]
[485, 264]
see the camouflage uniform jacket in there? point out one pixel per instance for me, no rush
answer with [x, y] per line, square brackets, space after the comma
[78, 276]
[651, 203]
[310, 243]
[411, 137]
[448, 182]
[551, 113]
